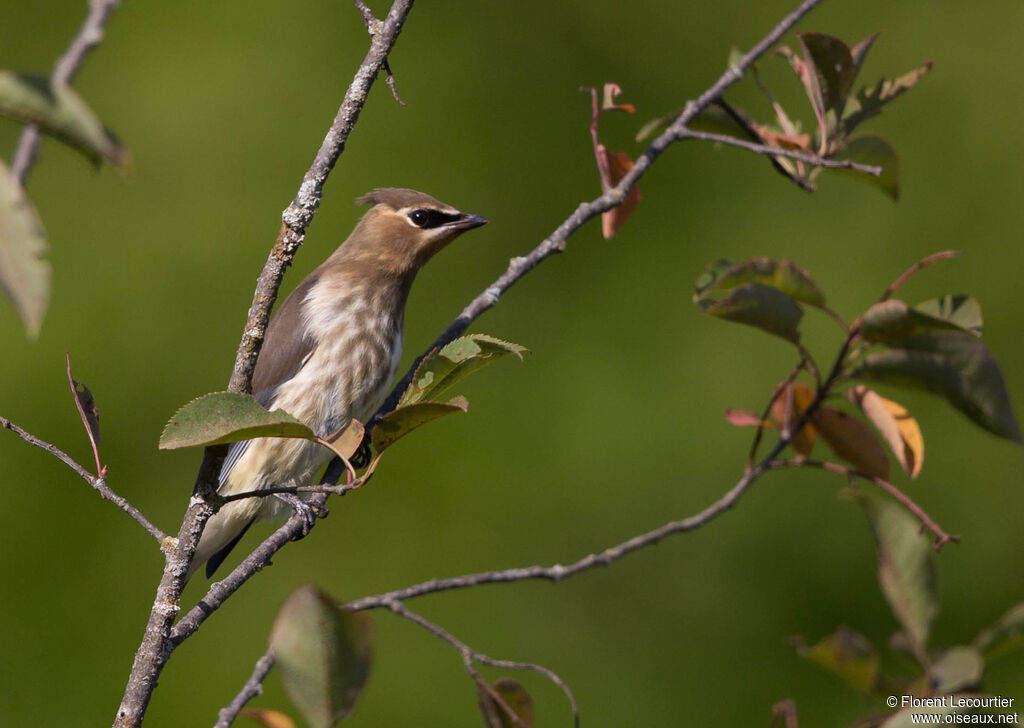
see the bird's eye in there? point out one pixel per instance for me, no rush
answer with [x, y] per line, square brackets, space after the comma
[426, 218]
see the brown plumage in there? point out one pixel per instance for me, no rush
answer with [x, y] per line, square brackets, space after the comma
[331, 351]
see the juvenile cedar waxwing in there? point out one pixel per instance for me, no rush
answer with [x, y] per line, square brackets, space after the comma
[330, 353]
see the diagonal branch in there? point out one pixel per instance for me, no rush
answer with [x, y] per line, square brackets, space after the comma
[89, 36]
[98, 484]
[556, 242]
[471, 656]
[156, 647]
[253, 687]
[802, 182]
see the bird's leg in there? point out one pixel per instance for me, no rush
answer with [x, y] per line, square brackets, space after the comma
[308, 513]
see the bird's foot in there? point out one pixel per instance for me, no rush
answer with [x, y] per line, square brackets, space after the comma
[304, 510]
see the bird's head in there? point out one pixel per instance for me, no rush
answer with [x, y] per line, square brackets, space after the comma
[404, 228]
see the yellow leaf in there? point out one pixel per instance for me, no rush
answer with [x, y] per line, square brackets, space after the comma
[900, 430]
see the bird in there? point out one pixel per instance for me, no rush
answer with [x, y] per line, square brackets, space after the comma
[330, 354]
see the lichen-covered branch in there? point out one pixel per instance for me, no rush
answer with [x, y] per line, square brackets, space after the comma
[156, 645]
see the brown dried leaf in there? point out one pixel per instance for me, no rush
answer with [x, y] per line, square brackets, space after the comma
[900, 430]
[853, 441]
[786, 410]
[617, 164]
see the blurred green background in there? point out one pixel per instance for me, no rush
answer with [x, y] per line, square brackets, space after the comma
[612, 425]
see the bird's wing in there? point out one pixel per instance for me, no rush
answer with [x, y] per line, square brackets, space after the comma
[286, 349]
[287, 345]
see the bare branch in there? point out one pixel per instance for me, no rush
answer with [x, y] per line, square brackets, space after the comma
[941, 537]
[89, 36]
[98, 484]
[556, 242]
[770, 151]
[253, 687]
[297, 217]
[156, 645]
[801, 182]
[469, 656]
[296, 527]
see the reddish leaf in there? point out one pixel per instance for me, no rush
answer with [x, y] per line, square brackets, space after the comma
[617, 165]
[745, 418]
[853, 441]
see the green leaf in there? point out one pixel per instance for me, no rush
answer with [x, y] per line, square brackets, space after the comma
[859, 52]
[891, 321]
[515, 697]
[954, 364]
[1005, 635]
[962, 310]
[222, 417]
[906, 570]
[783, 275]
[716, 120]
[831, 72]
[440, 370]
[959, 668]
[24, 269]
[400, 422]
[869, 100]
[848, 654]
[876, 152]
[322, 653]
[60, 112]
[760, 306]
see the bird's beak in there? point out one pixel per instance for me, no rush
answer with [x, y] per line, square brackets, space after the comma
[469, 222]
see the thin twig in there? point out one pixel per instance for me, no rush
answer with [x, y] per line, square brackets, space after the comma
[558, 572]
[89, 36]
[776, 393]
[294, 529]
[768, 150]
[802, 182]
[941, 537]
[469, 656]
[252, 688]
[914, 269]
[155, 647]
[98, 484]
[371, 23]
